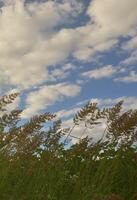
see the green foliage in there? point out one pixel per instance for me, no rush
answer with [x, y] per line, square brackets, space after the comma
[35, 164]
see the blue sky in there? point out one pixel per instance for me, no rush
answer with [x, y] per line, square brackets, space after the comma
[60, 54]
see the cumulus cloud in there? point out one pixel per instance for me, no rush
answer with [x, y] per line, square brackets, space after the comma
[129, 102]
[132, 59]
[108, 23]
[62, 72]
[111, 16]
[131, 47]
[65, 113]
[47, 96]
[29, 43]
[103, 72]
[131, 78]
[36, 37]
[131, 44]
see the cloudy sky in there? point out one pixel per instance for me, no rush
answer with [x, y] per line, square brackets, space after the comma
[61, 53]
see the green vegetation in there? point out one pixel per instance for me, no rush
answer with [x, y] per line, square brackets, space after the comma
[34, 164]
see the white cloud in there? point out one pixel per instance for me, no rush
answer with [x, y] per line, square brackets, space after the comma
[131, 47]
[111, 16]
[109, 21]
[47, 96]
[103, 72]
[129, 102]
[30, 41]
[131, 78]
[65, 113]
[34, 37]
[62, 72]
[68, 66]
[29, 44]
[130, 44]
[132, 59]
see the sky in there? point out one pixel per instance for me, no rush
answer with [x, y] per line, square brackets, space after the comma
[59, 54]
